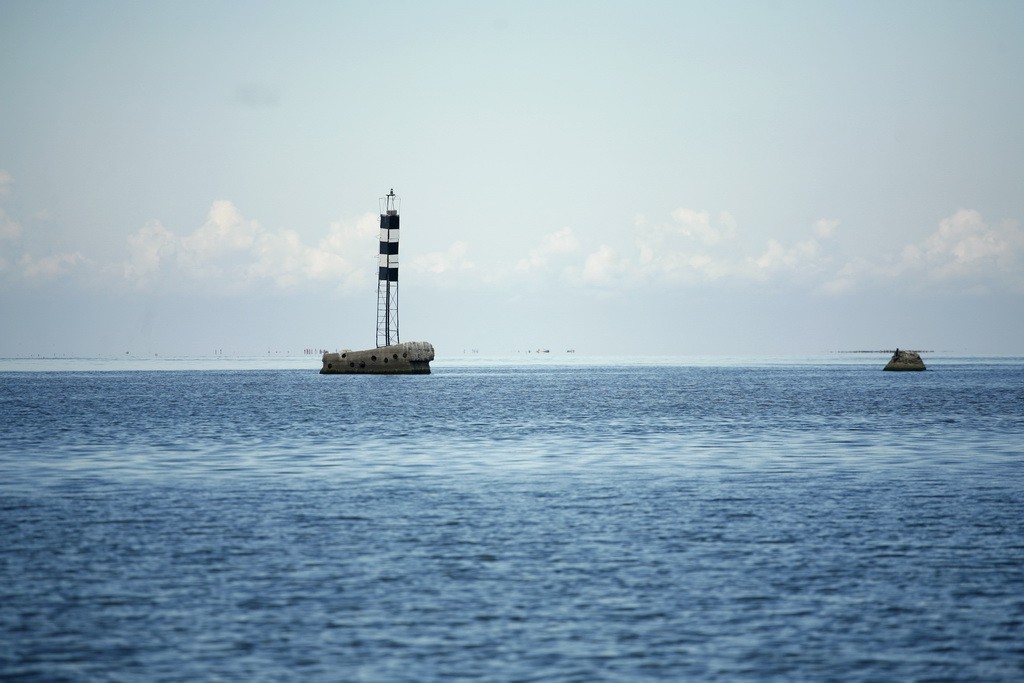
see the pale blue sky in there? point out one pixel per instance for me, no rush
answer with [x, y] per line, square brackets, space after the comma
[685, 178]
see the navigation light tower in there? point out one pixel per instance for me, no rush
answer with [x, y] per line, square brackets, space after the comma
[387, 271]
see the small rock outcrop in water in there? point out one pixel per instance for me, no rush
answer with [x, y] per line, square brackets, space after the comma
[905, 360]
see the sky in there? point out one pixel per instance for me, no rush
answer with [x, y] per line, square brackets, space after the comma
[618, 178]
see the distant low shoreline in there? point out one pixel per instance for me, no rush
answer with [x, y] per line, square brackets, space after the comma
[887, 351]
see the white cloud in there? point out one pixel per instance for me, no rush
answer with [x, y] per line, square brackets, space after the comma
[225, 230]
[825, 227]
[682, 250]
[454, 258]
[146, 249]
[10, 229]
[697, 225]
[10, 232]
[964, 253]
[234, 252]
[695, 248]
[49, 266]
[802, 256]
[603, 267]
[846, 279]
[283, 258]
[17, 261]
[559, 242]
[965, 246]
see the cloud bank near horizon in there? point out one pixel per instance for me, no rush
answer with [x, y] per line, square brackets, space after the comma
[231, 253]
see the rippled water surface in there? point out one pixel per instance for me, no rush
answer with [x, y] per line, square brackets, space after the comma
[515, 521]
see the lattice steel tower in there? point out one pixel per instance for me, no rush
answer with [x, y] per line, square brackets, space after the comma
[387, 271]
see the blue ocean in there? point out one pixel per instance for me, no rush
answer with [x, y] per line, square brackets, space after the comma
[525, 519]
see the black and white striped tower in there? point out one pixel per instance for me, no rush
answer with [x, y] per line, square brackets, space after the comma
[387, 272]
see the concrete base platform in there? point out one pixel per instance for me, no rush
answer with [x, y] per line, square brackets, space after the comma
[407, 358]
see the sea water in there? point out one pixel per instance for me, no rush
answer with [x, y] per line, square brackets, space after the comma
[525, 519]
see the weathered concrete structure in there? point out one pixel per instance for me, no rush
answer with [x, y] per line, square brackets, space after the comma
[408, 358]
[905, 360]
